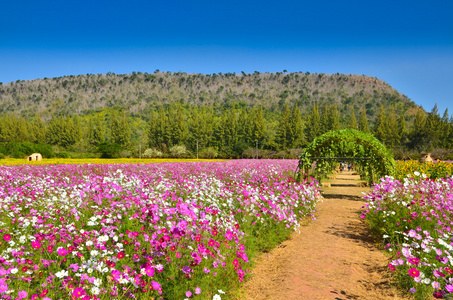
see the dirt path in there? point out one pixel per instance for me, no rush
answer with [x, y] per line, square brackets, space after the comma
[333, 257]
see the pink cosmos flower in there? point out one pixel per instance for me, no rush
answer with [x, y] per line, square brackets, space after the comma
[155, 285]
[188, 294]
[62, 251]
[7, 237]
[78, 292]
[23, 294]
[414, 272]
[36, 244]
[197, 291]
[120, 255]
[3, 288]
[74, 267]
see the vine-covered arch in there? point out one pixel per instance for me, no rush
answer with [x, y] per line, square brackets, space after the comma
[369, 154]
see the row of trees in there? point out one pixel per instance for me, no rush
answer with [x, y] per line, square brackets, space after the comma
[227, 131]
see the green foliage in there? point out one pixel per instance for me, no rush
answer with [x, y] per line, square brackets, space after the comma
[109, 150]
[152, 153]
[208, 153]
[63, 131]
[179, 151]
[363, 121]
[62, 154]
[120, 130]
[352, 143]
[22, 150]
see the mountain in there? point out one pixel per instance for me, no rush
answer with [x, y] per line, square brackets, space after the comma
[140, 93]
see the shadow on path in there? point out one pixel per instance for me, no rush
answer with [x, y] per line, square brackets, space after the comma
[343, 196]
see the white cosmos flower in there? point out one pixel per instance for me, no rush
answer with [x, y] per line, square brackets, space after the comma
[97, 282]
[61, 274]
[14, 271]
[95, 290]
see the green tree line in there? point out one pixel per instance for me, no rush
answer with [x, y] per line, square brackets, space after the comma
[234, 131]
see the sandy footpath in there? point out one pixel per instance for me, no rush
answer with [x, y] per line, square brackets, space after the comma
[334, 257]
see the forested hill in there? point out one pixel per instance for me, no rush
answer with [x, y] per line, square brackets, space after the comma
[140, 93]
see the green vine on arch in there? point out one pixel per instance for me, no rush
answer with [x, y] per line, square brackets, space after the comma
[349, 143]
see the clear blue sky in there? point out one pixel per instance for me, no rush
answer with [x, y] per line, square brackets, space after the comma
[408, 44]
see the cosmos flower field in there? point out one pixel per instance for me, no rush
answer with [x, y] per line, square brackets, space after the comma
[143, 231]
[414, 216]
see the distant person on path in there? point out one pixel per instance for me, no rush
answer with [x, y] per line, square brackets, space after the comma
[349, 167]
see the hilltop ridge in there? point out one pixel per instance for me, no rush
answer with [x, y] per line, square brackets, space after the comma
[140, 92]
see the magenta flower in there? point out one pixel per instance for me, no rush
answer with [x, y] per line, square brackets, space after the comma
[36, 244]
[62, 251]
[414, 272]
[188, 294]
[78, 292]
[23, 294]
[7, 237]
[3, 288]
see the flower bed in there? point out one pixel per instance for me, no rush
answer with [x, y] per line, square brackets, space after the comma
[415, 219]
[438, 169]
[84, 161]
[142, 231]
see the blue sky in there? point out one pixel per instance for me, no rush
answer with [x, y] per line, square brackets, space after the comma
[408, 44]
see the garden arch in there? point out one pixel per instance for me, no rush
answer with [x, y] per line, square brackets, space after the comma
[369, 154]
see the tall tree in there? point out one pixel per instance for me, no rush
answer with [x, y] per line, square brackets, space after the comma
[393, 137]
[120, 130]
[177, 130]
[257, 124]
[381, 126]
[402, 131]
[419, 135]
[95, 131]
[434, 127]
[37, 131]
[363, 121]
[352, 119]
[326, 119]
[313, 128]
[283, 128]
[334, 117]
[62, 131]
[295, 138]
